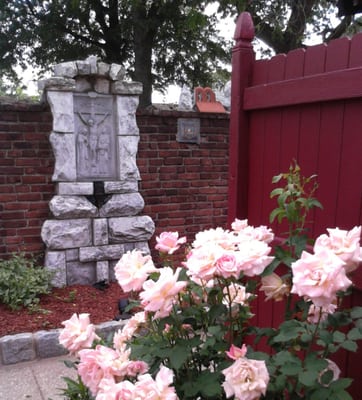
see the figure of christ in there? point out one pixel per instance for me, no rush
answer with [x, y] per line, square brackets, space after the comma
[92, 143]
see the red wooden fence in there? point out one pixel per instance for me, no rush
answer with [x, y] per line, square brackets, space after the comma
[307, 106]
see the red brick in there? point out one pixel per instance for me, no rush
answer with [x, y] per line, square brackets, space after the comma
[7, 197]
[29, 196]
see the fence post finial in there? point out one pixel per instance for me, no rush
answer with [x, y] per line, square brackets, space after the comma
[244, 30]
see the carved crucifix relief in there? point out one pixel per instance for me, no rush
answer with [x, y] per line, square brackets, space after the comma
[95, 138]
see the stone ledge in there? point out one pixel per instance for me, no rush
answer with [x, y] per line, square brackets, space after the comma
[42, 344]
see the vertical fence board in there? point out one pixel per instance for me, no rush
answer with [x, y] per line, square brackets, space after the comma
[294, 64]
[355, 55]
[314, 59]
[337, 56]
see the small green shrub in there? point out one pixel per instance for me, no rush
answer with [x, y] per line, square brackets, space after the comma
[22, 282]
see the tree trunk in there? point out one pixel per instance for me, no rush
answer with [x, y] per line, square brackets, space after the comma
[143, 43]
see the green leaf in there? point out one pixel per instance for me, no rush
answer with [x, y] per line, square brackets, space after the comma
[321, 394]
[349, 345]
[342, 395]
[339, 337]
[277, 212]
[289, 330]
[354, 334]
[356, 312]
[178, 356]
[209, 384]
[308, 378]
[276, 192]
[277, 178]
[342, 383]
[291, 369]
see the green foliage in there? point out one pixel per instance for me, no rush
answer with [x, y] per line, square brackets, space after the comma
[22, 282]
[286, 25]
[159, 42]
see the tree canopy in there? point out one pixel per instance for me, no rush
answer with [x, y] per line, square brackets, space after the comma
[158, 41]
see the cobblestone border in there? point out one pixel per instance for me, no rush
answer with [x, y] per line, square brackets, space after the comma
[42, 344]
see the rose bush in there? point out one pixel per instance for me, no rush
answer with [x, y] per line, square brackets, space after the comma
[194, 337]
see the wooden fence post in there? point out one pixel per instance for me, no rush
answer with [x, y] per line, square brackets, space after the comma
[243, 58]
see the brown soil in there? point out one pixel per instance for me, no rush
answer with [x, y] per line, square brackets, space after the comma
[59, 305]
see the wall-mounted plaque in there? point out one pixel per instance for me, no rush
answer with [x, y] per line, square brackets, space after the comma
[188, 130]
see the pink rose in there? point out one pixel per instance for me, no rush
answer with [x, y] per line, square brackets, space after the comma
[78, 333]
[236, 352]
[159, 296]
[214, 237]
[110, 390]
[226, 266]
[133, 269]
[147, 388]
[135, 368]
[345, 244]
[317, 314]
[319, 277]
[235, 294]
[246, 379]
[261, 233]
[274, 287]
[253, 257]
[239, 224]
[99, 363]
[131, 326]
[169, 242]
[201, 262]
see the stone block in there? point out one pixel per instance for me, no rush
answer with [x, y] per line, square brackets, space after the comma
[76, 188]
[119, 205]
[141, 246]
[47, 344]
[126, 88]
[100, 231]
[102, 85]
[112, 264]
[67, 69]
[107, 329]
[57, 83]
[72, 254]
[79, 273]
[103, 69]
[64, 151]
[129, 186]
[102, 271]
[130, 229]
[61, 104]
[126, 111]
[55, 261]
[67, 234]
[83, 67]
[92, 61]
[101, 253]
[82, 85]
[127, 147]
[65, 207]
[116, 72]
[17, 348]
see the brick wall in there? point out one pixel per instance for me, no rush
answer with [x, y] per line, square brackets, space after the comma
[184, 185]
[26, 166]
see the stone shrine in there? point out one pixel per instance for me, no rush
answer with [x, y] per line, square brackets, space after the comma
[97, 206]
